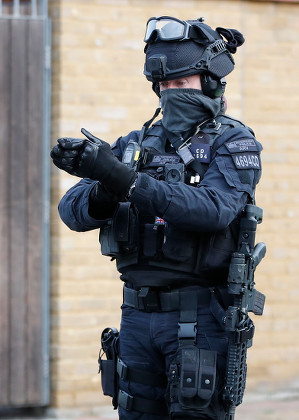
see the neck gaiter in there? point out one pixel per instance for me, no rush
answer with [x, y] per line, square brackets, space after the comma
[185, 108]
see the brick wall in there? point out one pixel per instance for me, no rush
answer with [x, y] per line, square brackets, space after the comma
[98, 84]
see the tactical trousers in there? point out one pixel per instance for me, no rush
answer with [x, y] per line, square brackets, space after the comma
[149, 341]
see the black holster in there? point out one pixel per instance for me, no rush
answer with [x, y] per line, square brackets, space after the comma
[108, 366]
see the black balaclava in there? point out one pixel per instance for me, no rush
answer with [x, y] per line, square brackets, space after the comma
[183, 109]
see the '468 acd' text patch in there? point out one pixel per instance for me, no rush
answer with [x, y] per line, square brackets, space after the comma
[246, 160]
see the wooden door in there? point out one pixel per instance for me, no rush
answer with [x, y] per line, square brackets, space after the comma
[24, 110]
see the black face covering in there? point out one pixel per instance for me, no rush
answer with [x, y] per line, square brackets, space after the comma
[185, 108]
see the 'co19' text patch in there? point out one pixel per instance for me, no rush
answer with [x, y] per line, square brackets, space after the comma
[246, 161]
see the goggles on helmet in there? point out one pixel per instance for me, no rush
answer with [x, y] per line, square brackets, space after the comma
[167, 28]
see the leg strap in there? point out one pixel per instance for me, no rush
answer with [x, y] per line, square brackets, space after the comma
[143, 405]
[140, 376]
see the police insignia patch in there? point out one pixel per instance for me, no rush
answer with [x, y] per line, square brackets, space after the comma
[243, 145]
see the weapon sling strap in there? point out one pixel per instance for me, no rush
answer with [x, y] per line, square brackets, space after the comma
[146, 125]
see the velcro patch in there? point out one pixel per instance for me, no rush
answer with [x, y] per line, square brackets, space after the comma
[247, 161]
[243, 145]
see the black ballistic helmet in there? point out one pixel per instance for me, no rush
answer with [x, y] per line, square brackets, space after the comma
[176, 48]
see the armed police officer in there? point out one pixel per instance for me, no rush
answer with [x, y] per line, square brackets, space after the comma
[168, 199]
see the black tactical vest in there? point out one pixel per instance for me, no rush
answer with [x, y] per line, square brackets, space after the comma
[133, 238]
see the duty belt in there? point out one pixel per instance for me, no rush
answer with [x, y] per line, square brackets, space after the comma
[150, 300]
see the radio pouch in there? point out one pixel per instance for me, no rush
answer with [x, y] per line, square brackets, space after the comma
[120, 235]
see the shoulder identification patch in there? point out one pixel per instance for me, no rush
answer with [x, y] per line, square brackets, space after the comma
[201, 152]
[247, 161]
[243, 145]
[200, 147]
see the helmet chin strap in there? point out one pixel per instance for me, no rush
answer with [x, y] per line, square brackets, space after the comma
[156, 88]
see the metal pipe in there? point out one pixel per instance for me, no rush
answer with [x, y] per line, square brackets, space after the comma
[44, 8]
[33, 8]
[16, 7]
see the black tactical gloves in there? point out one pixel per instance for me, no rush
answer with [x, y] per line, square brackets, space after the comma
[102, 202]
[92, 158]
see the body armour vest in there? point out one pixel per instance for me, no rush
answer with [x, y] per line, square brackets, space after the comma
[135, 238]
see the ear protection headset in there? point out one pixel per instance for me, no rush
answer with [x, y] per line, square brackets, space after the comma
[214, 88]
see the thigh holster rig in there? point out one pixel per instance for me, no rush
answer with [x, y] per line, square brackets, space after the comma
[112, 368]
[190, 380]
[192, 373]
[133, 403]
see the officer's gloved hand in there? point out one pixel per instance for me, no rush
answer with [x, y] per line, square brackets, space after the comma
[102, 202]
[92, 158]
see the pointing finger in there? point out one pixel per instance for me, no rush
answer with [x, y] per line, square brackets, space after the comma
[90, 136]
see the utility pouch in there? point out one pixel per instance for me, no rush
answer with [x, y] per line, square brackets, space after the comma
[109, 246]
[197, 377]
[108, 366]
[120, 235]
[189, 372]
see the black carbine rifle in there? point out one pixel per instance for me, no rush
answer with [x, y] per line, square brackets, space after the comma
[246, 299]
